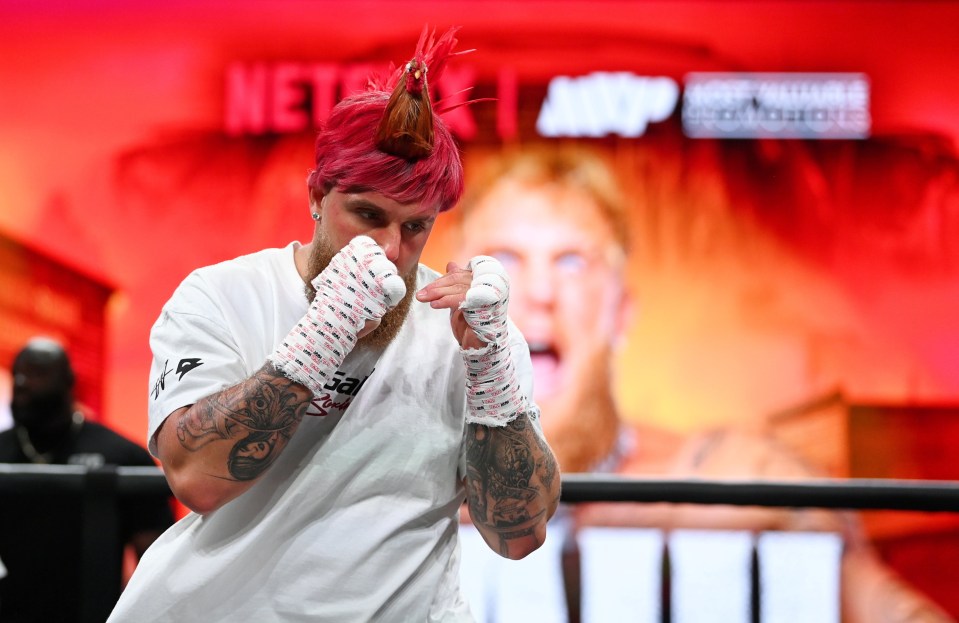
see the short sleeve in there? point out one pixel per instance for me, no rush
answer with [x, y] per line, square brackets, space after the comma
[194, 355]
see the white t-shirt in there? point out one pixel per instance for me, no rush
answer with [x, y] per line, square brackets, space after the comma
[357, 519]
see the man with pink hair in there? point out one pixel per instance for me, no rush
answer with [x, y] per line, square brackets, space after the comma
[323, 426]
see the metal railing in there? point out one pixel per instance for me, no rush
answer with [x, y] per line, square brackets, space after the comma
[101, 489]
[853, 494]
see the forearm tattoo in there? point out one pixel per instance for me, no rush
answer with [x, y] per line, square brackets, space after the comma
[509, 469]
[259, 415]
[545, 464]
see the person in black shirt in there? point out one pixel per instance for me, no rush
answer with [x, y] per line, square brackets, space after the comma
[41, 540]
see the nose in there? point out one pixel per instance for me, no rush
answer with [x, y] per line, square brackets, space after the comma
[532, 302]
[542, 284]
[542, 290]
[389, 239]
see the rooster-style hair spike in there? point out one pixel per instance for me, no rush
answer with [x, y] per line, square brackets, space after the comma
[406, 129]
[378, 140]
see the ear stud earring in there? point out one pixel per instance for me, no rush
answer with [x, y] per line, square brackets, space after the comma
[316, 216]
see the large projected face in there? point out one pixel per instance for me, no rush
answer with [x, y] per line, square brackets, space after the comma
[566, 290]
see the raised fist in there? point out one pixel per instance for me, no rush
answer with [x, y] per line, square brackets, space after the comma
[362, 283]
[352, 293]
[493, 395]
[484, 307]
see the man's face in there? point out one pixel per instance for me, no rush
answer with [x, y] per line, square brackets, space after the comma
[41, 392]
[400, 229]
[566, 291]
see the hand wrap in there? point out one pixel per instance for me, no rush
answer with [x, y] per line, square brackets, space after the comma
[358, 285]
[493, 394]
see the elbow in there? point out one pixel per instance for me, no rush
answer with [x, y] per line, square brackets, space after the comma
[199, 504]
[518, 542]
[194, 491]
[521, 548]
[191, 476]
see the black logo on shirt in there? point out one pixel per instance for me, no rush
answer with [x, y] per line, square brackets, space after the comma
[185, 365]
[344, 386]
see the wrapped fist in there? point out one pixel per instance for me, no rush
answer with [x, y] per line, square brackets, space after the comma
[353, 292]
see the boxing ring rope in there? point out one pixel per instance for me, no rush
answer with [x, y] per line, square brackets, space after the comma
[858, 494]
[99, 490]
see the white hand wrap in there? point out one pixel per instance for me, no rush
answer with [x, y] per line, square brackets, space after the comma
[493, 395]
[359, 284]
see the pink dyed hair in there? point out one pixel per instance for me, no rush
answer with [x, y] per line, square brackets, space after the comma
[348, 160]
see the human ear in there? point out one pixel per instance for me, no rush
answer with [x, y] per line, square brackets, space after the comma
[316, 204]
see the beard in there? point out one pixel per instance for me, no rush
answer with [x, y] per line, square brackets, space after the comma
[392, 321]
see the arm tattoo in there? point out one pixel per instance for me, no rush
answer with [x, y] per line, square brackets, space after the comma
[260, 414]
[546, 464]
[502, 470]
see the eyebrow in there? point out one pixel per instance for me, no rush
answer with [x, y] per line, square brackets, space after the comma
[426, 220]
[366, 204]
[359, 203]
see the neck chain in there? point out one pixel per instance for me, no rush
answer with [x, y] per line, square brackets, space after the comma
[45, 458]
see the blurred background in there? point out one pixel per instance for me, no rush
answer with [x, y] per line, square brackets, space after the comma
[791, 172]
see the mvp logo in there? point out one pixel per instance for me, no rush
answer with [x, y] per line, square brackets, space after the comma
[605, 103]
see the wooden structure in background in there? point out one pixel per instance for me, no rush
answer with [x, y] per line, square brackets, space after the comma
[847, 438]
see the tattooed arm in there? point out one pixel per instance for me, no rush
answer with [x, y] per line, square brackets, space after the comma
[216, 449]
[512, 479]
[512, 485]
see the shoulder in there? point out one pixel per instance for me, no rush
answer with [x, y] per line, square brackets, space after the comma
[734, 452]
[256, 279]
[264, 260]
[251, 268]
